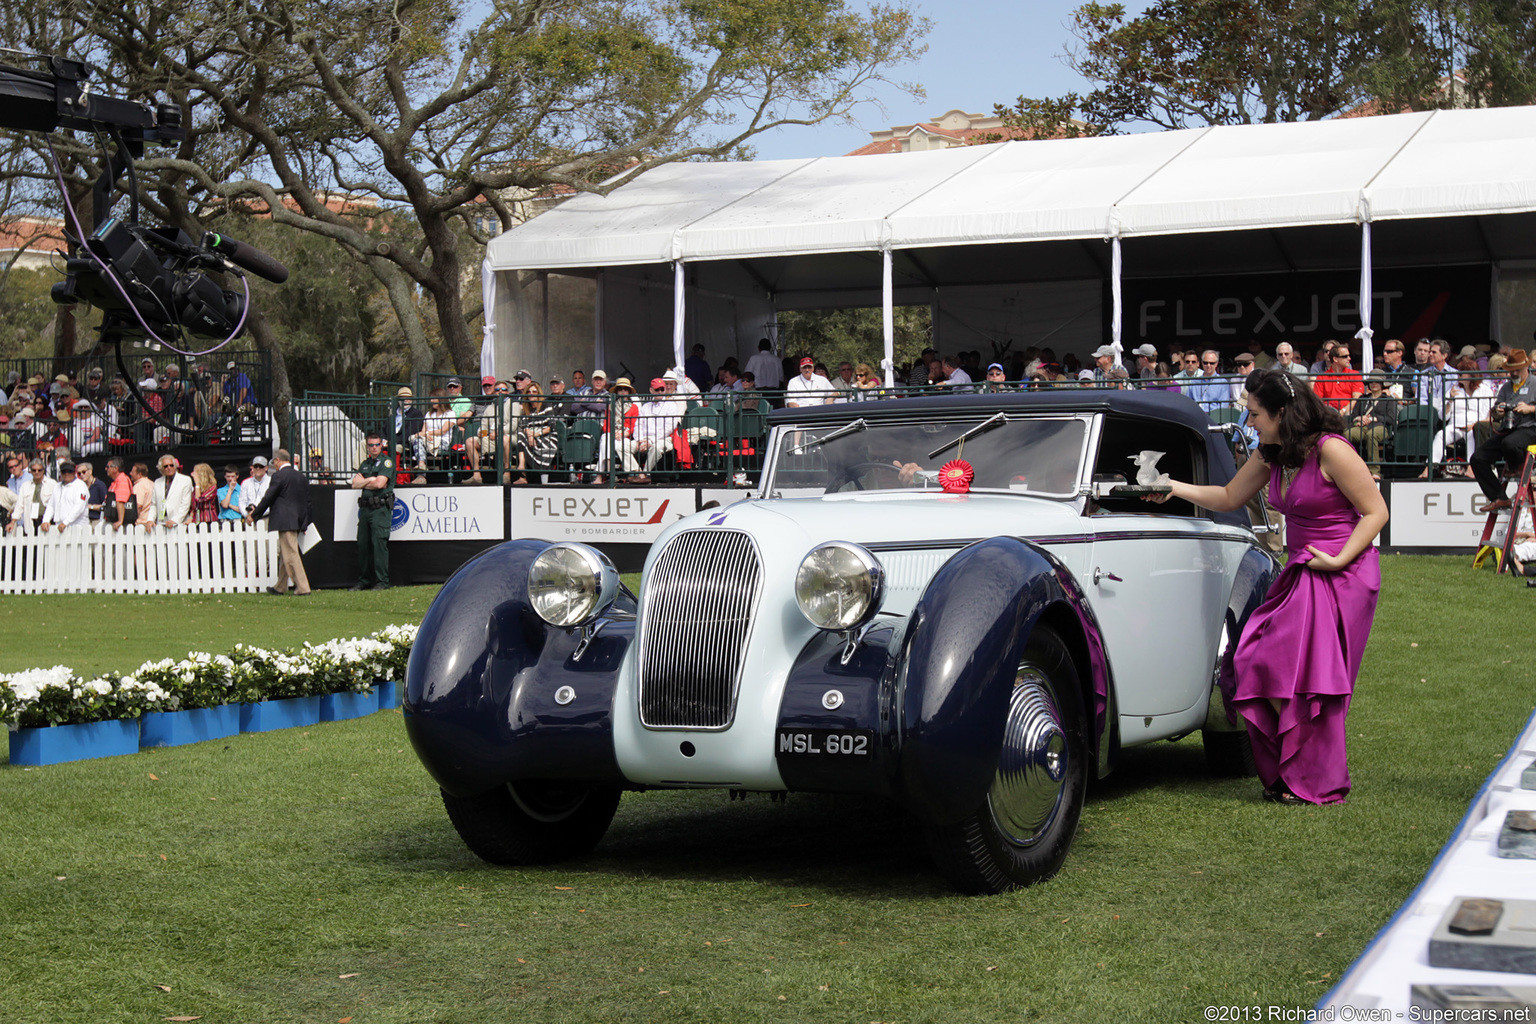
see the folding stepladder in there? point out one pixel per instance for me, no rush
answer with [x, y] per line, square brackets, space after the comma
[1524, 500]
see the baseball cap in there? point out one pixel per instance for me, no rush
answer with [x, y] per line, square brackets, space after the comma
[556, 379]
[260, 460]
[62, 378]
[1149, 351]
[807, 361]
[1085, 375]
[657, 382]
[995, 366]
[454, 383]
[599, 373]
[489, 378]
[228, 366]
[66, 467]
[522, 375]
[1104, 350]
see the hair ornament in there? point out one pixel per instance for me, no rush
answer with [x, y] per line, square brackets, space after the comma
[1286, 378]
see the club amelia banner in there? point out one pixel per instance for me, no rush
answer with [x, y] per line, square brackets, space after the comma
[1436, 514]
[431, 513]
[598, 514]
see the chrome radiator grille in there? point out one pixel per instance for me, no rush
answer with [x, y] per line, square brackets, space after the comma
[696, 616]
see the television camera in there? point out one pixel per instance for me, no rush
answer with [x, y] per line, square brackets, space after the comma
[148, 282]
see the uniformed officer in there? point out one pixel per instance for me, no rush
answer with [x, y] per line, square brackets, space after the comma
[375, 477]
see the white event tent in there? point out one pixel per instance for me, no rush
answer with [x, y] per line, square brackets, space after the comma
[709, 252]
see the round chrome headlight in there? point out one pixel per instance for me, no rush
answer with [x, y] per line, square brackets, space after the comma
[839, 585]
[570, 584]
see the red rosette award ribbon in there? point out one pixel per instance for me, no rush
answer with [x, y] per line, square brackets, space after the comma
[956, 476]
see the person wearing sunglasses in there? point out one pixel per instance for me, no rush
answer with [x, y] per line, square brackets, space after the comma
[1400, 376]
[375, 478]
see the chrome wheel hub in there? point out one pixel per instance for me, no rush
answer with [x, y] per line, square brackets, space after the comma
[1031, 778]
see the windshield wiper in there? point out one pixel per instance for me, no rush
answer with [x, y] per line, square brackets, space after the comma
[843, 431]
[980, 428]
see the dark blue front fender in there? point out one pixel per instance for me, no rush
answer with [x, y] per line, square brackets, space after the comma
[957, 665]
[480, 686]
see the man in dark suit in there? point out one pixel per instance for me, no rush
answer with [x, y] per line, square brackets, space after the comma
[287, 499]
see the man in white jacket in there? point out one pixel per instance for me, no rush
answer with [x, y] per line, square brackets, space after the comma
[173, 495]
[70, 501]
[36, 493]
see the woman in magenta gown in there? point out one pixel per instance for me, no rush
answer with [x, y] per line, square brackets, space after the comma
[1300, 651]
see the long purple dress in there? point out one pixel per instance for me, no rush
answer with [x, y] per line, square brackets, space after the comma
[1303, 645]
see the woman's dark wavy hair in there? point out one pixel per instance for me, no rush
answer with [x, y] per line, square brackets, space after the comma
[1302, 416]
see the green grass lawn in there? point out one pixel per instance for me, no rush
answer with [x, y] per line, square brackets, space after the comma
[312, 875]
[94, 633]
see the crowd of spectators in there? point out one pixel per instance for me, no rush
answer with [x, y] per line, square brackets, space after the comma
[41, 494]
[516, 428]
[97, 414]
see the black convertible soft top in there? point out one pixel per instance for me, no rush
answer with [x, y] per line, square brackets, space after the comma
[1166, 406]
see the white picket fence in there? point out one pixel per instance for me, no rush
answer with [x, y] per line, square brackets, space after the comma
[200, 558]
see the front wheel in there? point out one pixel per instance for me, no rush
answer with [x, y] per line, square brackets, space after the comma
[533, 822]
[1024, 827]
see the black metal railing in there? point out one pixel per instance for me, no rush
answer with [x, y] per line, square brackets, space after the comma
[719, 437]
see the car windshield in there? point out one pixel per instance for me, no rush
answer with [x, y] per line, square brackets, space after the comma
[1038, 455]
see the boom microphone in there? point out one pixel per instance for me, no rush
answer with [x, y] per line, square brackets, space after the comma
[246, 257]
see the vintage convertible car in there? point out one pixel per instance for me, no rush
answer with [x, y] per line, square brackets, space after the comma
[963, 604]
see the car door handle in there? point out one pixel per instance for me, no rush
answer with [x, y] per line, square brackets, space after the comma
[1100, 574]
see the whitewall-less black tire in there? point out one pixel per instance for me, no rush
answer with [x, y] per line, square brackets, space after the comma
[533, 822]
[1021, 832]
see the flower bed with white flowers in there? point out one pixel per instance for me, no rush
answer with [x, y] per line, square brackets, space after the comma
[56, 696]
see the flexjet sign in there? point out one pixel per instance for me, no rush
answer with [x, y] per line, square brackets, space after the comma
[596, 515]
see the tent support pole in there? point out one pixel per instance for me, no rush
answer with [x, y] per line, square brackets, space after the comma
[888, 316]
[488, 319]
[1367, 356]
[1495, 318]
[544, 366]
[679, 310]
[1117, 313]
[599, 343]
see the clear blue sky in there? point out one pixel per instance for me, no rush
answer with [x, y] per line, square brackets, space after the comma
[980, 52]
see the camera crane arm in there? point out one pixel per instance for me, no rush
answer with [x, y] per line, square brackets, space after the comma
[144, 280]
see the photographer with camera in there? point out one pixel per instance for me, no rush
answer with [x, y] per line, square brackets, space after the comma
[1513, 429]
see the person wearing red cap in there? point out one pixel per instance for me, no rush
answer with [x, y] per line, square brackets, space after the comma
[809, 388]
[480, 441]
[652, 432]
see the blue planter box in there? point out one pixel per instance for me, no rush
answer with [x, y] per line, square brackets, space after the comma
[55, 744]
[266, 715]
[175, 728]
[336, 707]
[389, 695]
